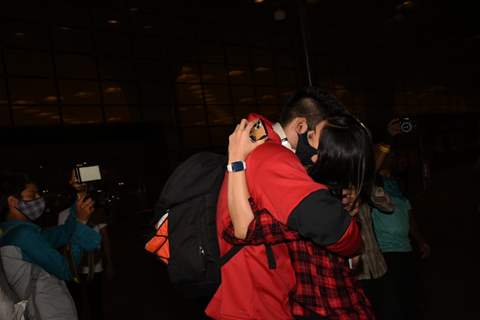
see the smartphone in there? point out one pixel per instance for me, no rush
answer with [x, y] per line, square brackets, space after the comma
[258, 131]
[86, 174]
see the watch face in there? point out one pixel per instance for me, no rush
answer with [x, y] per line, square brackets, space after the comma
[237, 166]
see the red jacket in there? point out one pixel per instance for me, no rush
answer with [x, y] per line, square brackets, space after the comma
[249, 289]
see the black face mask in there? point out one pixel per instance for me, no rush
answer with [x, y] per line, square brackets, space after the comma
[304, 150]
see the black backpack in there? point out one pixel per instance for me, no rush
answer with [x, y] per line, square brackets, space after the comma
[190, 198]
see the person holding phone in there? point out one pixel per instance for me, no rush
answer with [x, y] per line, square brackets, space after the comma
[96, 264]
[278, 183]
[21, 204]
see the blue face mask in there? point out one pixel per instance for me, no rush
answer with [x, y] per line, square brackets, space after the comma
[304, 150]
[32, 209]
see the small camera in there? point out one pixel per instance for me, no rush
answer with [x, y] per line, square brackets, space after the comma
[85, 173]
[407, 124]
[91, 177]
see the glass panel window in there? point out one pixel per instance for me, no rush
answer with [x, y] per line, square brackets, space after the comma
[216, 94]
[262, 58]
[241, 112]
[219, 135]
[3, 92]
[285, 61]
[4, 116]
[35, 116]
[271, 112]
[27, 63]
[150, 47]
[287, 77]
[263, 75]
[25, 35]
[32, 91]
[70, 39]
[239, 75]
[117, 69]
[196, 137]
[267, 95]
[284, 94]
[189, 94]
[79, 92]
[113, 43]
[211, 54]
[188, 73]
[153, 70]
[192, 115]
[162, 114]
[243, 95]
[67, 13]
[220, 115]
[119, 114]
[119, 93]
[156, 93]
[82, 114]
[75, 66]
[238, 55]
[214, 73]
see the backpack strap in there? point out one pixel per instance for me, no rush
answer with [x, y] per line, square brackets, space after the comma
[272, 263]
[230, 254]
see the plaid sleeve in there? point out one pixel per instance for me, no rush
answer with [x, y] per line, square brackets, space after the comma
[264, 229]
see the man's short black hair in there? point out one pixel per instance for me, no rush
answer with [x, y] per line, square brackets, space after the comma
[313, 104]
[11, 184]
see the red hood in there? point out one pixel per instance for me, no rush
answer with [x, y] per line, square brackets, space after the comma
[272, 135]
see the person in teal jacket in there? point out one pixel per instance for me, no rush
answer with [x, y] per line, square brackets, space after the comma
[21, 204]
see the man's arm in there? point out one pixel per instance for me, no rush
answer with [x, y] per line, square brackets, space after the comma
[263, 229]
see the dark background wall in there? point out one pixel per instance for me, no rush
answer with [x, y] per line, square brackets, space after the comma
[138, 85]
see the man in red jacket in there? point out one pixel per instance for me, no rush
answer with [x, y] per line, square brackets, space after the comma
[258, 280]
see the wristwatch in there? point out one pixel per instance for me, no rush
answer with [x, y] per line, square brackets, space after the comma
[236, 166]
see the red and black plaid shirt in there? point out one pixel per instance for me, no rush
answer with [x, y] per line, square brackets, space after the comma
[325, 285]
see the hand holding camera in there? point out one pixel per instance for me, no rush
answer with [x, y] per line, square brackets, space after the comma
[85, 207]
[400, 125]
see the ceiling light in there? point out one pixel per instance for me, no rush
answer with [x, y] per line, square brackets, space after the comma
[262, 69]
[65, 28]
[133, 9]
[148, 27]
[113, 89]
[113, 21]
[22, 102]
[83, 94]
[235, 73]
[50, 99]
[246, 100]
[258, 1]
[19, 34]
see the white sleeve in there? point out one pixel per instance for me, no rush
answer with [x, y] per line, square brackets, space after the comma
[63, 215]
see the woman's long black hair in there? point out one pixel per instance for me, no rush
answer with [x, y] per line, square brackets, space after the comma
[345, 155]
